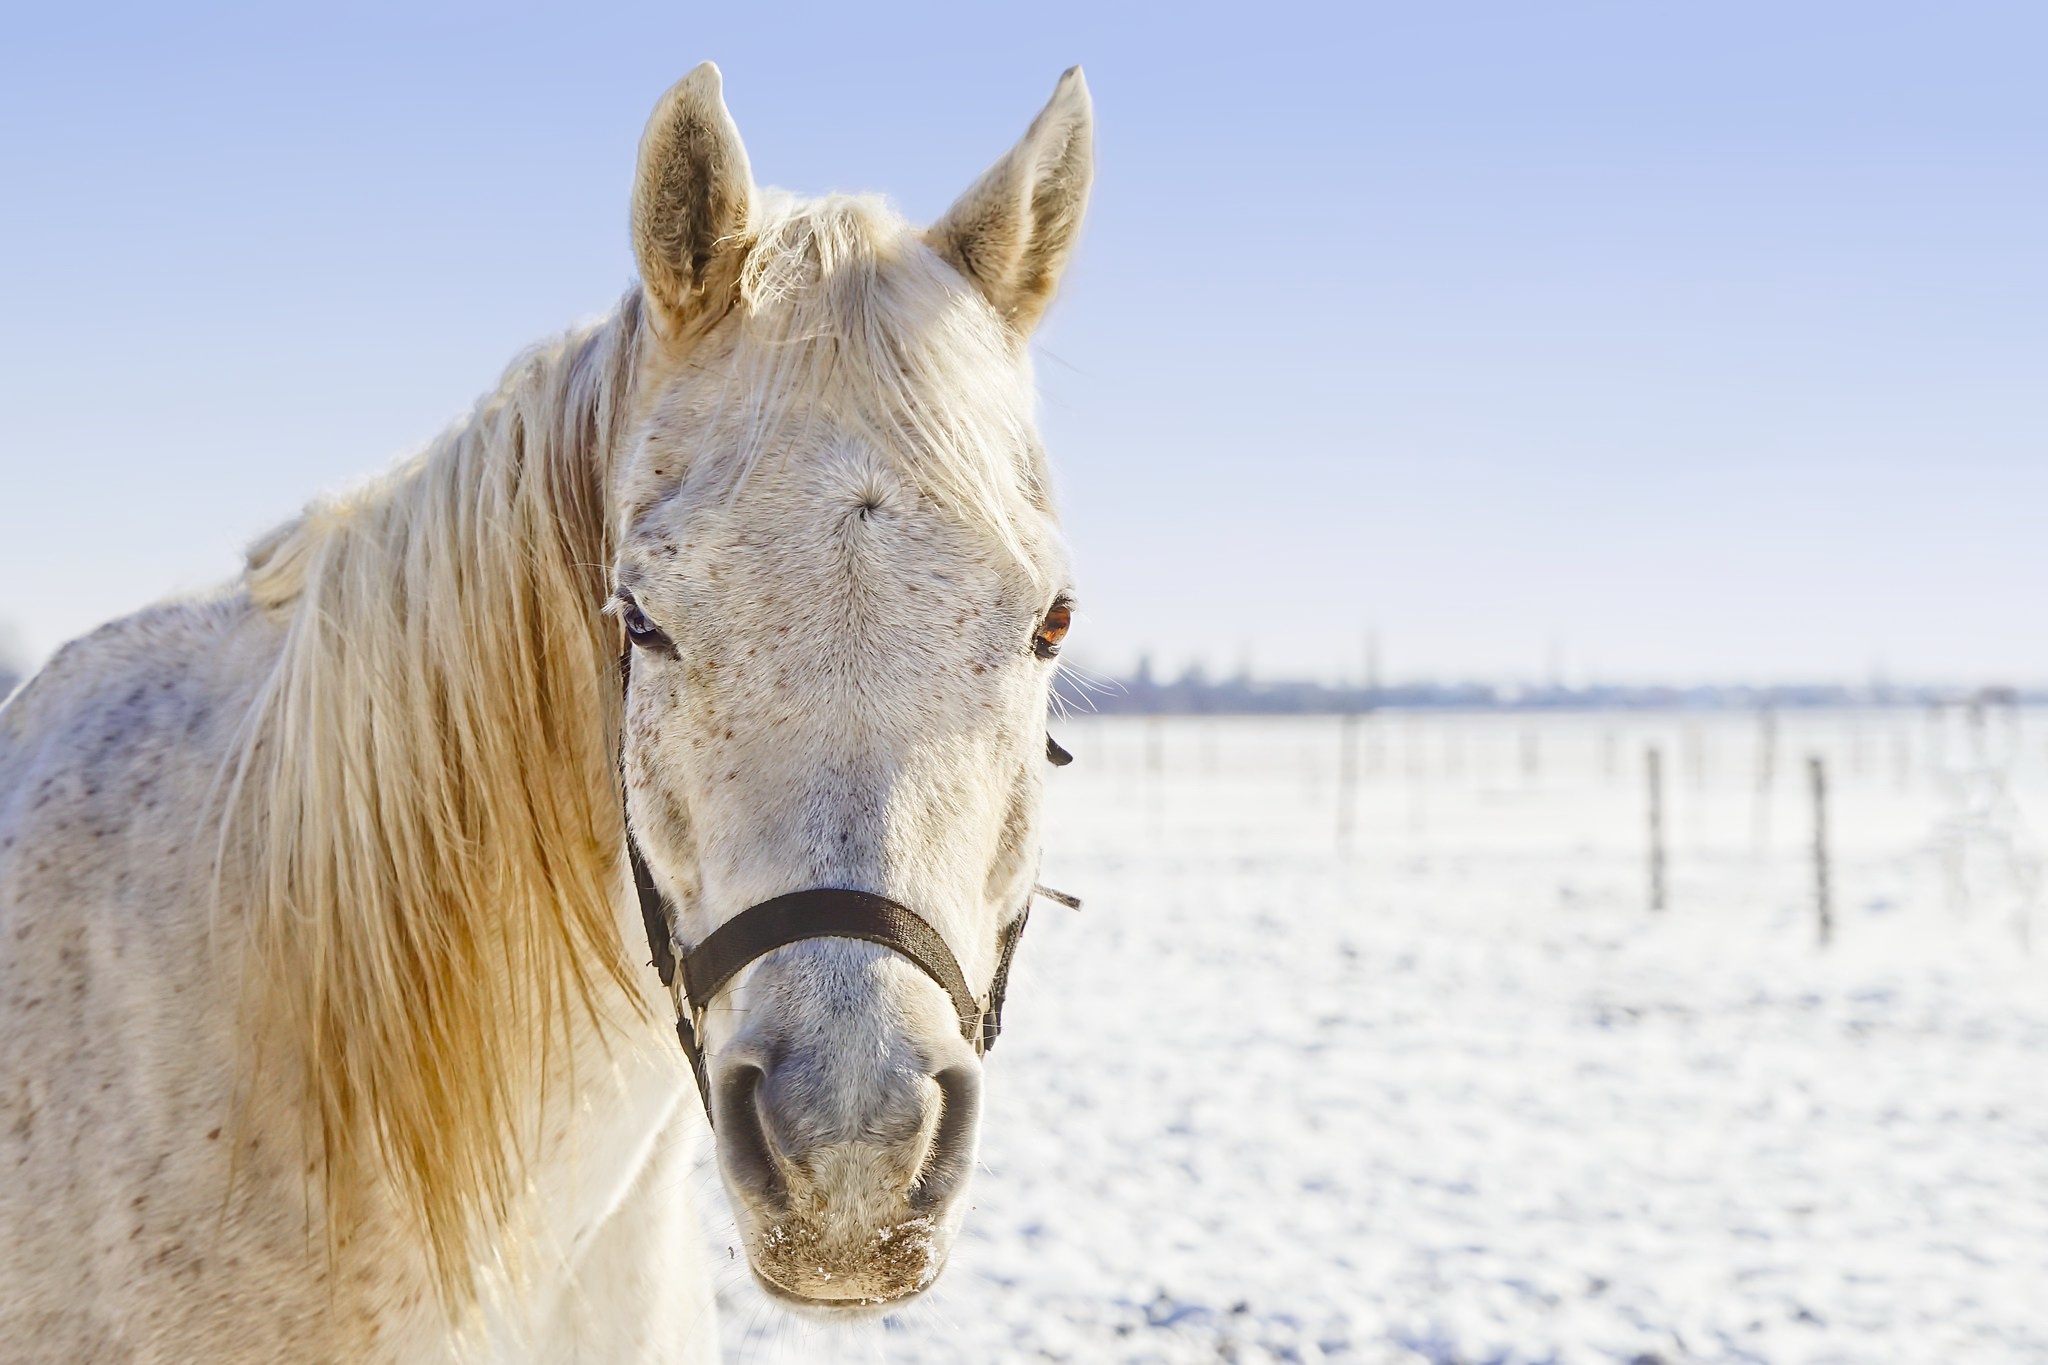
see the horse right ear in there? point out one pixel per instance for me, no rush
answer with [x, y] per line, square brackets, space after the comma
[692, 196]
[1012, 232]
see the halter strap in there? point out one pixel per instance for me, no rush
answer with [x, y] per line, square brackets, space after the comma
[829, 912]
[819, 912]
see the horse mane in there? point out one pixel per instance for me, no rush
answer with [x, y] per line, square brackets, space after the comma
[424, 813]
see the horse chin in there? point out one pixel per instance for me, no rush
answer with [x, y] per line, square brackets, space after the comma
[834, 1310]
[840, 1278]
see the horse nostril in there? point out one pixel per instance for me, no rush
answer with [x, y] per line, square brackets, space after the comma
[951, 1158]
[744, 1149]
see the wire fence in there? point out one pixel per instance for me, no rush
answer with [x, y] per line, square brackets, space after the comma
[1644, 803]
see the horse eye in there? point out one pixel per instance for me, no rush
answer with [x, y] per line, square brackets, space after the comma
[639, 629]
[1053, 629]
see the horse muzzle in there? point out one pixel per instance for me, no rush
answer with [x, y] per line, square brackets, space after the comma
[852, 1214]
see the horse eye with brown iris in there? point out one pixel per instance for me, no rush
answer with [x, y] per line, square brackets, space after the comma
[639, 629]
[1053, 629]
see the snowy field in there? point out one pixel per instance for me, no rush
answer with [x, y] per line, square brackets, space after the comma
[1447, 1090]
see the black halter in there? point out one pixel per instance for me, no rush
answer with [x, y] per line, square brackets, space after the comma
[820, 912]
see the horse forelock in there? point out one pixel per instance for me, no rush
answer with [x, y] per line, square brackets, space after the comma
[843, 309]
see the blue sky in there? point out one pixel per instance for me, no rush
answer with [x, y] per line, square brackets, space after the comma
[1648, 341]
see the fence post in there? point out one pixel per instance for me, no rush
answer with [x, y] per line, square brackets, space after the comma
[1347, 779]
[1817, 775]
[1766, 775]
[1653, 763]
[1155, 771]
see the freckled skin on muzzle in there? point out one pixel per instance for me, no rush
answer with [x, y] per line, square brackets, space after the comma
[846, 1133]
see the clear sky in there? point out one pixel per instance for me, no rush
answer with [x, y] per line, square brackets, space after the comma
[1643, 341]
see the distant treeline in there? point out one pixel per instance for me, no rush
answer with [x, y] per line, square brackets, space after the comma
[1193, 694]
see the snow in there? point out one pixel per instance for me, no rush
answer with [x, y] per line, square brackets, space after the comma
[1454, 1094]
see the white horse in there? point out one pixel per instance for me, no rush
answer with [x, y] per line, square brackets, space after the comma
[326, 1025]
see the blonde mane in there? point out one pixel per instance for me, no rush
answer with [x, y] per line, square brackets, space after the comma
[424, 820]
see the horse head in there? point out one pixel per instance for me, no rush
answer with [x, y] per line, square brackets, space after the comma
[841, 575]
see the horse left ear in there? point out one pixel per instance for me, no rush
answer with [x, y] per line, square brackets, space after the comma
[1012, 232]
[692, 196]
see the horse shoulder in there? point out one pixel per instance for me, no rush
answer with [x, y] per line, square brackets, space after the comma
[117, 1052]
[147, 1206]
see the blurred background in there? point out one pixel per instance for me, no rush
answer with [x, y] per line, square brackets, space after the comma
[1616, 342]
[1558, 501]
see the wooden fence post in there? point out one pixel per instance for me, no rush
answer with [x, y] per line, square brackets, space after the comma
[1766, 776]
[1817, 775]
[1347, 779]
[1653, 762]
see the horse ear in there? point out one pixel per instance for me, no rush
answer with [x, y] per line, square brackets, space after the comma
[1012, 232]
[692, 195]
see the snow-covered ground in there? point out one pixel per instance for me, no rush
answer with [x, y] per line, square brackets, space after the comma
[1454, 1093]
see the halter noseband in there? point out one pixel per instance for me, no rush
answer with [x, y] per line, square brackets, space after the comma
[820, 912]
